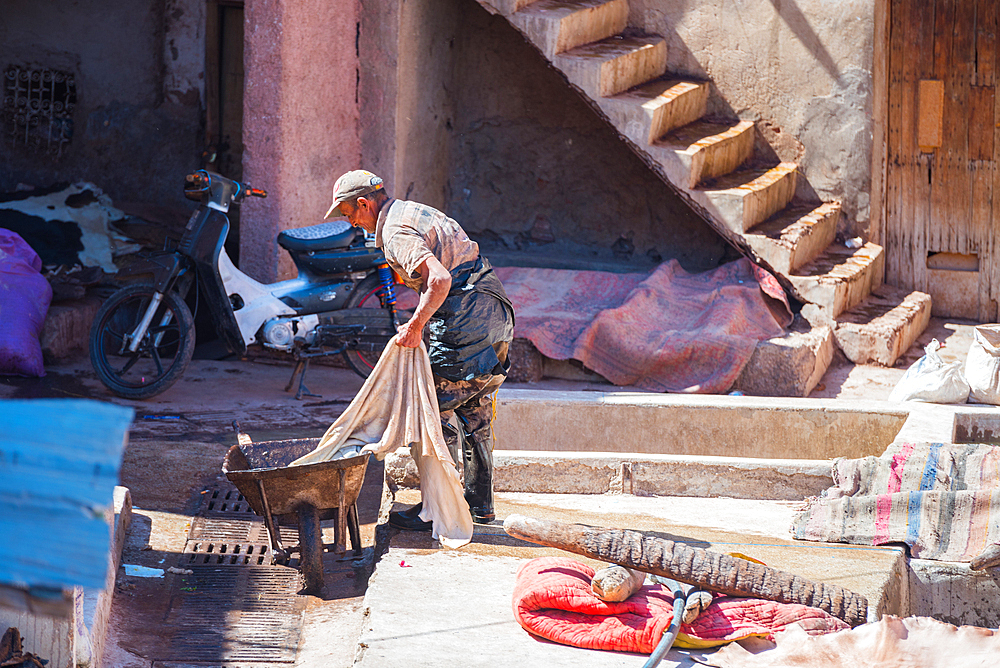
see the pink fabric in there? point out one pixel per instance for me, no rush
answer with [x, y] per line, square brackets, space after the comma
[553, 599]
[667, 331]
[24, 303]
[553, 307]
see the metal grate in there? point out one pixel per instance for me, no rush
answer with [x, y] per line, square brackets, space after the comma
[236, 614]
[235, 605]
[38, 106]
[228, 542]
[222, 498]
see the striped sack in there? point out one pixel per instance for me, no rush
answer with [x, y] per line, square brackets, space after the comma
[940, 499]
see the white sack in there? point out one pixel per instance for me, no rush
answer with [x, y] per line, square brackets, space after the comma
[397, 406]
[933, 380]
[982, 366]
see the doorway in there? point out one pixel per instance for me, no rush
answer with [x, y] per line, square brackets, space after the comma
[224, 100]
[942, 183]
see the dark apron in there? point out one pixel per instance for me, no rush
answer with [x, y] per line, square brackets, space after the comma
[476, 315]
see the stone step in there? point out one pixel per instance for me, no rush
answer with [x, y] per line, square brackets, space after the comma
[650, 111]
[883, 326]
[710, 149]
[743, 199]
[840, 278]
[795, 235]
[556, 26]
[790, 365]
[504, 7]
[614, 65]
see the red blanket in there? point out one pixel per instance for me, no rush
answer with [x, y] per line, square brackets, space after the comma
[553, 599]
[667, 331]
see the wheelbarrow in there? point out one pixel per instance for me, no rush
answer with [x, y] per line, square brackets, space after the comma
[303, 495]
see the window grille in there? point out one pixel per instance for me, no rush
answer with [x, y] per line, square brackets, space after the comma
[38, 108]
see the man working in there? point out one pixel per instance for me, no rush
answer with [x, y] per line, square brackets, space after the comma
[471, 321]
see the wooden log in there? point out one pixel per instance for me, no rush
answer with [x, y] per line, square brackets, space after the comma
[705, 569]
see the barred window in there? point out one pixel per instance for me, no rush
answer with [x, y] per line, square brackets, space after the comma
[38, 106]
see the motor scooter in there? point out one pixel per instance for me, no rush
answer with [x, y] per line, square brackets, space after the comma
[343, 301]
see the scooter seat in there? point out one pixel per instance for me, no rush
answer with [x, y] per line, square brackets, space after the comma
[315, 238]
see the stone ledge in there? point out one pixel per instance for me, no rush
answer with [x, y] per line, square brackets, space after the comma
[637, 423]
[883, 326]
[954, 593]
[92, 622]
[640, 475]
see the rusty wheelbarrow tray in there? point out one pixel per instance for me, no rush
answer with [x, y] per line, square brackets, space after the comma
[303, 495]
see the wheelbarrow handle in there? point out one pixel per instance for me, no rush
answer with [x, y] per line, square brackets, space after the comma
[241, 438]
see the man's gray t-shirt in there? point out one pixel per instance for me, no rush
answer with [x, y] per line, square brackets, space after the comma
[408, 233]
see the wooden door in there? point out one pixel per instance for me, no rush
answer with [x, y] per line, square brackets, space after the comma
[940, 226]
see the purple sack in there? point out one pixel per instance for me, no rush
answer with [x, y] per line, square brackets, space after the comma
[24, 303]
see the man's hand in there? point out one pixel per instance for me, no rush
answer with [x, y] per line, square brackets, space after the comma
[409, 334]
[437, 284]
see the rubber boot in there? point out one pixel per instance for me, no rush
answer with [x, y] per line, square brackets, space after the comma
[477, 455]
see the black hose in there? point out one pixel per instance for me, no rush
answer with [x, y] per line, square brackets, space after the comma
[670, 634]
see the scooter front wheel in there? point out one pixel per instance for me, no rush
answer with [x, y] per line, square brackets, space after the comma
[163, 353]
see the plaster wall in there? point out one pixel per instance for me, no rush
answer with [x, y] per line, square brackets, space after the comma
[300, 120]
[138, 70]
[378, 88]
[425, 106]
[801, 68]
[406, 60]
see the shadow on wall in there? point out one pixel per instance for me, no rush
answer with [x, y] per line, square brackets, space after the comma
[797, 22]
[535, 170]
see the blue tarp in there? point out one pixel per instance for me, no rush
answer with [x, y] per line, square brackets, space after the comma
[59, 464]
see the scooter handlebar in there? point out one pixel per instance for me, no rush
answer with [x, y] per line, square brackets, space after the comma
[205, 184]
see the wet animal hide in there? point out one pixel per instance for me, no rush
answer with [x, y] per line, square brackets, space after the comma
[891, 642]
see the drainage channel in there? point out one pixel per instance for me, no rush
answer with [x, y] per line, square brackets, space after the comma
[235, 607]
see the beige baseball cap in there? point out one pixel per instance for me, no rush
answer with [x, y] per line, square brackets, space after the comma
[352, 184]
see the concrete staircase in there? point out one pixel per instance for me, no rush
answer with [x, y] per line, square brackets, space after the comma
[711, 163]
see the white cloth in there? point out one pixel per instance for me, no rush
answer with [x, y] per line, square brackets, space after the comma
[397, 406]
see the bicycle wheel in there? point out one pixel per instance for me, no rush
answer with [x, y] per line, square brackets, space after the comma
[163, 352]
[366, 295]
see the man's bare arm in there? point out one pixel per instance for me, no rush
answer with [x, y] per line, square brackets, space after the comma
[437, 285]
